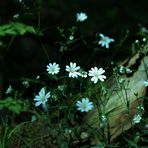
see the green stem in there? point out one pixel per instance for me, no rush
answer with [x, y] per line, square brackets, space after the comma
[2, 58]
[1, 74]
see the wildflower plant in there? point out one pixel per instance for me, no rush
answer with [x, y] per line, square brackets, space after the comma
[84, 104]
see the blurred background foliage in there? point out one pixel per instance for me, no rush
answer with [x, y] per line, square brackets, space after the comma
[29, 54]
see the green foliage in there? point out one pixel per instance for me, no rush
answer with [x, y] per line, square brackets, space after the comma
[4, 136]
[16, 28]
[13, 105]
[62, 125]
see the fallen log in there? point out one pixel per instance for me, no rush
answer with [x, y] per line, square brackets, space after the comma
[124, 101]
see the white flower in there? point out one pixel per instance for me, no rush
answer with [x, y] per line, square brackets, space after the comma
[26, 84]
[146, 83]
[122, 69]
[105, 41]
[73, 70]
[144, 39]
[42, 98]
[71, 37]
[37, 77]
[53, 68]
[103, 118]
[9, 90]
[85, 105]
[68, 131]
[96, 74]
[16, 16]
[144, 29]
[137, 118]
[136, 41]
[33, 118]
[140, 107]
[103, 121]
[83, 74]
[81, 17]
[128, 70]
[61, 87]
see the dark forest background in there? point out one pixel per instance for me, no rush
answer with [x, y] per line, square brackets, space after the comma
[26, 56]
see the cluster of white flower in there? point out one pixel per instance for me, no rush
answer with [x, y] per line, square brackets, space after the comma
[105, 40]
[124, 70]
[42, 98]
[75, 71]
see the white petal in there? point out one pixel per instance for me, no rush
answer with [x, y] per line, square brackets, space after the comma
[38, 103]
[101, 35]
[42, 92]
[48, 95]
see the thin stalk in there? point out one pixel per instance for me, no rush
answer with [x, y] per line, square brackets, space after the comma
[2, 58]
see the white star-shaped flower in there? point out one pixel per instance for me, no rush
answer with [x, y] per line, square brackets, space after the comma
[73, 70]
[42, 98]
[53, 68]
[137, 118]
[81, 17]
[9, 90]
[96, 74]
[85, 105]
[146, 83]
[105, 40]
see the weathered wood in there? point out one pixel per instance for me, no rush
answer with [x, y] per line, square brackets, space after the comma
[122, 104]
